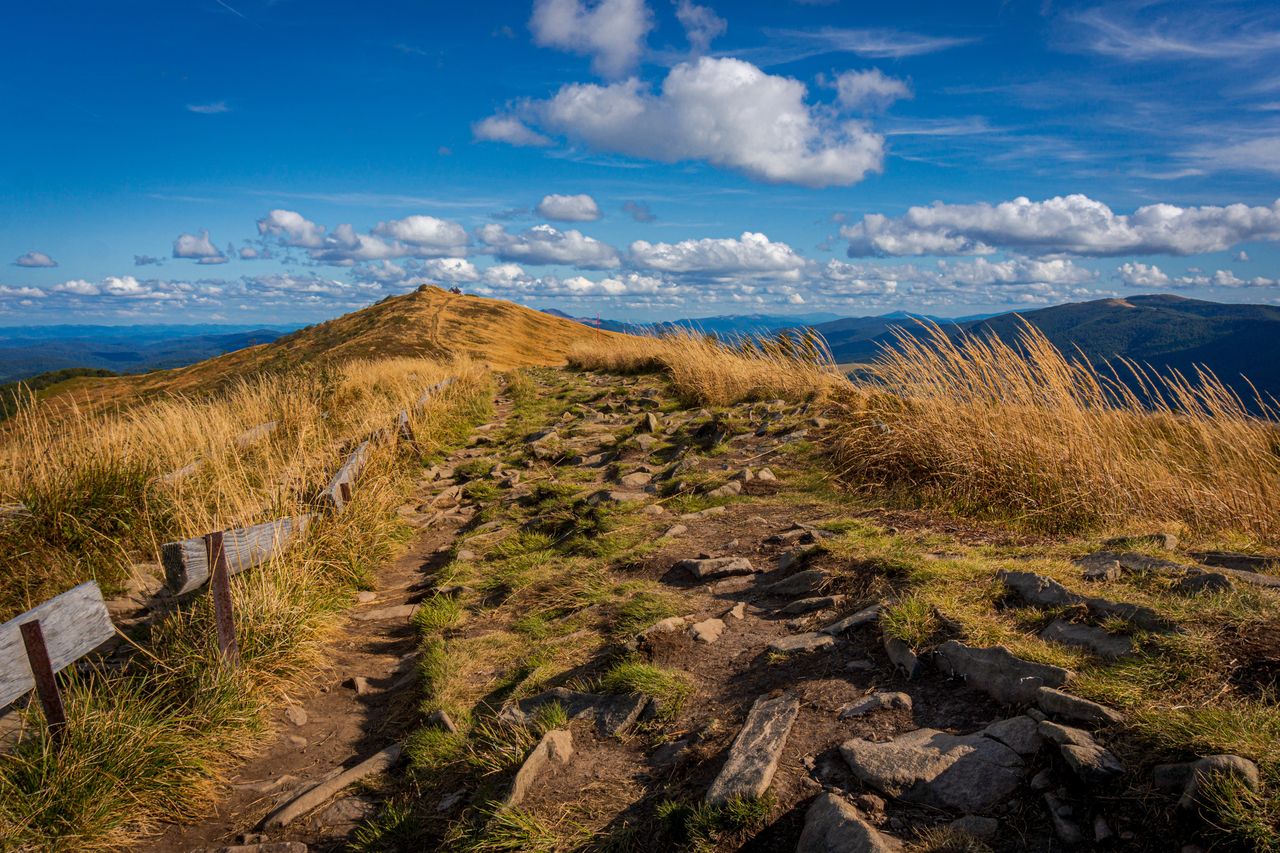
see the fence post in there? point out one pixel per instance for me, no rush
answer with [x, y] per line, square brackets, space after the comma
[220, 588]
[46, 683]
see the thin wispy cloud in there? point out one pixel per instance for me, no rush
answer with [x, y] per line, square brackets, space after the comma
[791, 45]
[213, 108]
[1213, 34]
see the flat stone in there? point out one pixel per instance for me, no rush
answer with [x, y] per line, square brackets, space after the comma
[865, 616]
[654, 509]
[901, 656]
[1061, 704]
[801, 643]
[670, 754]
[964, 773]
[635, 480]
[675, 530]
[616, 496]
[1096, 640]
[801, 583]
[385, 614]
[738, 611]
[1107, 570]
[832, 825]
[997, 672]
[620, 713]
[347, 810]
[555, 748]
[1064, 735]
[728, 490]
[1068, 833]
[880, 701]
[707, 631]
[1197, 582]
[296, 714]
[703, 513]
[1046, 592]
[753, 757]
[796, 556]
[1091, 764]
[765, 474]
[1020, 733]
[808, 605]
[1204, 769]
[441, 719]
[716, 567]
[364, 596]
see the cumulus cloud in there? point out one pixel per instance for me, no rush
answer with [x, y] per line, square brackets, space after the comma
[638, 210]
[749, 254]
[724, 112]
[869, 90]
[545, 244]
[1074, 224]
[7, 291]
[701, 25]
[292, 228]
[611, 32]
[568, 208]
[509, 130]
[426, 235]
[198, 247]
[34, 259]
[1136, 274]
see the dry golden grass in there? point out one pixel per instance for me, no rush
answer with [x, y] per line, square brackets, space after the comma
[149, 742]
[1020, 431]
[705, 370]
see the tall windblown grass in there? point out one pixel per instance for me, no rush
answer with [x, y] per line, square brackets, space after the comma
[149, 741]
[705, 370]
[1021, 431]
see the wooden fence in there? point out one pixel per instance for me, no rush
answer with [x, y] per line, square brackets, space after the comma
[38, 644]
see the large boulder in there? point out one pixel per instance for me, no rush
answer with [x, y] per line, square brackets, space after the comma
[999, 673]
[832, 825]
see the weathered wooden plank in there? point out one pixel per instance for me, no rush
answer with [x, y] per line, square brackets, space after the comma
[180, 473]
[348, 473]
[403, 427]
[73, 623]
[433, 390]
[186, 563]
[253, 435]
[10, 511]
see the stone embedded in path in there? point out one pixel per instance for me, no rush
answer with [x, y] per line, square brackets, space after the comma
[1189, 777]
[555, 748]
[1088, 760]
[635, 480]
[707, 631]
[316, 795]
[675, 530]
[832, 825]
[617, 496]
[717, 567]
[1020, 733]
[794, 643]
[901, 656]
[1096, 640]
[997, 672]
[754, 756]
[964, 773]
[703, 513]
[728, 490]
[862, 617]
[1046, 592]
[385, 614]
[1199, 582]
[765, 474]
[796, 556]
[296, 714]
[1061, 704]
[807, 582]
[879, 701]
[808, 605]
[264, 847]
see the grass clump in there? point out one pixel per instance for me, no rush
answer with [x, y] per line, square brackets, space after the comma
[670, 688]
[699, 826]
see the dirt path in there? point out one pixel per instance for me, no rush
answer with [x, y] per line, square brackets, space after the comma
[338, 721]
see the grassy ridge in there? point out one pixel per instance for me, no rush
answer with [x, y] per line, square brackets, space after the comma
[149, 742]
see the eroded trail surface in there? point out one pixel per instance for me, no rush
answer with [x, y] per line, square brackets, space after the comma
[648, 626]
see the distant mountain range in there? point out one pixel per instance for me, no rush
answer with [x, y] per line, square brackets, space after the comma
[26, 351]
[1160, 330]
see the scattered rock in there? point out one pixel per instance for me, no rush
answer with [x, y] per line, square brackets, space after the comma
[901, 656]
[704, 513]
[799, 643]
[807, 582]
[635, 479]
[1020, 733]
[1190, 776]
[556, 747]
[359, 684]
[1060, 813]
[1096, 640]
[728, 490]
[616, 496]
[1046, 592]
[765, 474]
[296, 714]
[1166, 541]
[744, 475]
[364, 596]
[880, 701]
[465, 555]
[1105, 570]
[864, 616]
[616, 715]
[1042, 781]
[385, 614]
[266, 847]
[795, 557]
[346, 810]
[707, 631]
[716, 567]
[1088, 760]
[654, 509]
[670, 754]
[1062, 704]
[753, 757]
[1197, 582]
[738, 611]
[832, 825]
[298, 742]
[976, 826]
[808, 605]
[442, 720]
[966, 773]
[997, 672]
[675, 530]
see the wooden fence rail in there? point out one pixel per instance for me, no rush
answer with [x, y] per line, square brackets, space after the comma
[73, 624]
[246, 439]
[186, 563]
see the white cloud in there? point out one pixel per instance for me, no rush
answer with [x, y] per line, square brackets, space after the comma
[35, 259]
[568, 208]
[1074, 224]
[451, 270]
[724, 112]
[790, 45]
[9, 292]
[611, 32]
[198, 247]
[1251, 155]
[426, 235]
[1207, 36]
[509, 130]
[292, 228]
[869, 90]
[78, 287]
[344, 247]
[209, 109]
[545, 244]
[504, 275]
[750, 253]
[1136, 274]
[1242, 256]
[701, 25]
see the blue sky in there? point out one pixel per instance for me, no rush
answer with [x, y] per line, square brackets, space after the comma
[281, 161]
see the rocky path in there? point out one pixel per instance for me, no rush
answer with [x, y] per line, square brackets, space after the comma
[651, 627]
[363, 703]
